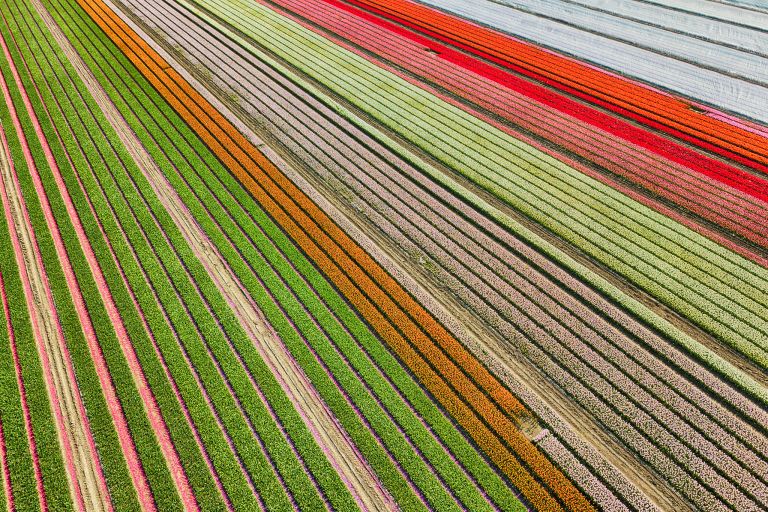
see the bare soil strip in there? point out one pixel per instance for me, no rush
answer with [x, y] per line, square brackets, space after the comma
[326, 430]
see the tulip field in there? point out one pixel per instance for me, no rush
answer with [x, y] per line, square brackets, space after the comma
[484, 255]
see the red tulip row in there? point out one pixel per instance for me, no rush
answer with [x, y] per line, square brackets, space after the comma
[732, 208]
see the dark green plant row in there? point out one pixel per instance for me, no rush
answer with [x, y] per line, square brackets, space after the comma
[109, 449]
[155, 479]
[181, 436]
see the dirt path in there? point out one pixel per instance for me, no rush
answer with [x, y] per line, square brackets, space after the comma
[84, 474]
[326, 430]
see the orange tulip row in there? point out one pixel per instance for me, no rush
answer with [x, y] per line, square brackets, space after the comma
[477, 401]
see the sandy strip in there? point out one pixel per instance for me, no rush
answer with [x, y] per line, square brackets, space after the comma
[87, 481]
[327, 432]
[139, 478]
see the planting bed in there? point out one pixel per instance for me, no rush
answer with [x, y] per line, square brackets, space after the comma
[353, 254]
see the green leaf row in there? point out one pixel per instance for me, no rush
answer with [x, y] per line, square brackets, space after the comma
[18, 449]
[167, 275]
[303, 490]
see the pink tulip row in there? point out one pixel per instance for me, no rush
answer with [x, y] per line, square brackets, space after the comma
[424, 241]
